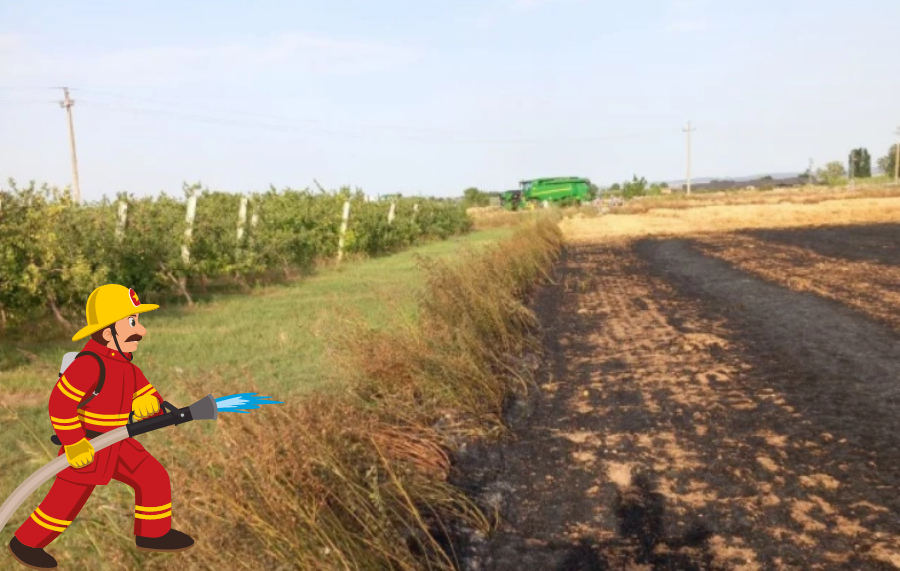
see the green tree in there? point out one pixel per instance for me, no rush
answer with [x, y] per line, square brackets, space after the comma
[860, 163]
[888, 163]
[615, 187]
[832, 173]
[635, 187]
[474, 197]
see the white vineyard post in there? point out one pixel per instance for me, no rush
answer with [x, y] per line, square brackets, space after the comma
[392, 213]
[345, 217]
[254, 220]
[189, 226]
[122, 219]
[242, 219]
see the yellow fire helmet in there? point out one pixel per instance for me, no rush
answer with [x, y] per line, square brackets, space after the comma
[110, 303]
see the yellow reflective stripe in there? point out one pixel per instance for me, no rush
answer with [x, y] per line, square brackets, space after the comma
[63, 390]
[157, 516]
[64, 420]
[101, 416]
[105, 423]
[51, 519]
[156, 509]
[71, 388]
[148, 388]
[66, 427]
[47, 525]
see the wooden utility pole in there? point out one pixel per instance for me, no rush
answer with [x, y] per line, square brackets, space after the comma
[67, 105]
[688, 131]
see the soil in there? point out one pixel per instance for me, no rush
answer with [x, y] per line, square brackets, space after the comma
[693, 415]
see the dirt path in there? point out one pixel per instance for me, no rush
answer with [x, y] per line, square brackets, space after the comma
[694, 417]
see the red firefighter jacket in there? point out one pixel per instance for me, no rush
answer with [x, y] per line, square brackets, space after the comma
[106, 411]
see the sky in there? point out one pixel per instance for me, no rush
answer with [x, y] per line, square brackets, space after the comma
[431, 97]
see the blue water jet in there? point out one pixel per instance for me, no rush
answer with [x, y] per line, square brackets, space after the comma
[243, 402]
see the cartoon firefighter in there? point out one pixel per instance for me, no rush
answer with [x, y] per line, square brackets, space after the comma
[95, 394]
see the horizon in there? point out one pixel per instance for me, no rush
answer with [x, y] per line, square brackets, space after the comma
[415, 99]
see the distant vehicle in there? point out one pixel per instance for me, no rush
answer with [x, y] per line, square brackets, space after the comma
[535, 191]
[511, 199]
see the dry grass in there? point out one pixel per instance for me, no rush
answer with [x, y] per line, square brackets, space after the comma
[358, 480]
[704, 217]
[802, 195]
[496, 217]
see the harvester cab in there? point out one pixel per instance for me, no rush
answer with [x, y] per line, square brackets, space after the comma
[511, 199]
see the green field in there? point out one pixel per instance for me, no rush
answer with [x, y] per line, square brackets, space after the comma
[275, 339]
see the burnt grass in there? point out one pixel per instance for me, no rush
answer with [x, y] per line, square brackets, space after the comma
[865, 243]
[688, 415]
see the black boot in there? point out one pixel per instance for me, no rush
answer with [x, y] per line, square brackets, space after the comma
[31, 557]
[173, 541]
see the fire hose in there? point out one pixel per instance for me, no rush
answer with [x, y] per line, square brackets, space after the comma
[204, 409]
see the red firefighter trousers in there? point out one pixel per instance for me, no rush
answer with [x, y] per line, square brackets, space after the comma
[152, 498]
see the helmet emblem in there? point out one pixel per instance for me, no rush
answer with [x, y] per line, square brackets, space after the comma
[134, 298]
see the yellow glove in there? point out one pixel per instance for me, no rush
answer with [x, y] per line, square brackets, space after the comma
[80, 454]
[144, 406]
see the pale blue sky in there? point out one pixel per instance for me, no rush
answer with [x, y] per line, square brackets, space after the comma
[434, 96]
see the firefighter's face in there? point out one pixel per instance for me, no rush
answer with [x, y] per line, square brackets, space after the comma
[129, 333]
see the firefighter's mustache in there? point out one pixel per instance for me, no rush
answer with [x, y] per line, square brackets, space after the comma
[134, 337]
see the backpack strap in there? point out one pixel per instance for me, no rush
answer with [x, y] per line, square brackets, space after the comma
[100, 381]
[97, 389]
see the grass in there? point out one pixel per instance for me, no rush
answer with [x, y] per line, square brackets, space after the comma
[358, 479]
[275, 340]
[275, 336]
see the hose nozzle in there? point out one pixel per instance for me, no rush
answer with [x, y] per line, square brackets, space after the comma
[205, 409]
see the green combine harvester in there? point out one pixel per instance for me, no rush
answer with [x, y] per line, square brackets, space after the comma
[532, 193]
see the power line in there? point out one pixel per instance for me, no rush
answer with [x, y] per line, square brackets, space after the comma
[326, 127]
[26, 101]
[448, 136]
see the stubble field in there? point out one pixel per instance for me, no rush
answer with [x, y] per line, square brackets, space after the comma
[721, 390]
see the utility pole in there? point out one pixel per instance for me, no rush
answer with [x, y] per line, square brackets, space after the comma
[809, 179]
[897, 158]
[688, 131]
[67, 105]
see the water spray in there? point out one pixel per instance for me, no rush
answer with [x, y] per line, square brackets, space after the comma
[206, 408]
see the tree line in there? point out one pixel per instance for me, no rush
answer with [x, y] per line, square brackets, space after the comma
[859, 165]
